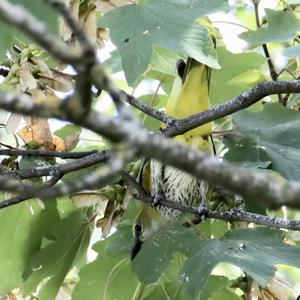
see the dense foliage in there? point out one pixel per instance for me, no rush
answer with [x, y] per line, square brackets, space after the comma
[77, 243]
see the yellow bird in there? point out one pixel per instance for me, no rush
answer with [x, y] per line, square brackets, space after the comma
[189, 95]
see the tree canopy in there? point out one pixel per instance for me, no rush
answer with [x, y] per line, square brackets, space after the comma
[83, 90]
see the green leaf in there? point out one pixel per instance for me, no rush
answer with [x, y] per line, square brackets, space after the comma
[166, 81]
[164, 60]
[106, 278]
[23, 228]
[68, 130]
[214, 284]
[227, 82]
[54, 261]
[30, 161]
[135, 28]
[256, 251]
[246, 153]
[167, 291]
[161, 247]
[292, 51]
[274, 132]
[158, 293]
[113, 63]
[119, 244]
[158, 101]
[10, 35]
[282, 26]
[213, 227]
[225, 294]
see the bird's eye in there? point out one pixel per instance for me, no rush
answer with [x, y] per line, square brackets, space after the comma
[138, 229]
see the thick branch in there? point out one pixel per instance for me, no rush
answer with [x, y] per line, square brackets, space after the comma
[261, 187]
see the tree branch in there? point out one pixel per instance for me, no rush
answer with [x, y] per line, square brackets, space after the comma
[231, 216]
[259, 186]
[149, 110]
[45, 153]
[63, 169]
[246, 99]
[96, 179]
[20, 198]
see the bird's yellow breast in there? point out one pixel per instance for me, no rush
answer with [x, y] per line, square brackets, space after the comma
[191, 98]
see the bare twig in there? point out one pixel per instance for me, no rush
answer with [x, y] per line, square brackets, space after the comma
[246, 99]
[273, 72]
[63, 169]
[149, 110]
[232, 216]
[20, 198]
[46, 153]
[98, 178]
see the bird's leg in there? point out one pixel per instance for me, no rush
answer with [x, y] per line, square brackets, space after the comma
[201, 213]
[158, 197]
[202, 210]
[239, 204]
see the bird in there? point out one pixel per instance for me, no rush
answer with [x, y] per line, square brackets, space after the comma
[189, 95]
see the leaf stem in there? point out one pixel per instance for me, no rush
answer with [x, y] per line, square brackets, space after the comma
[138, 294]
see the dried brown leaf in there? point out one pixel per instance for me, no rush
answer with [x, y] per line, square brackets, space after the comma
[90, 198]
[37, 130]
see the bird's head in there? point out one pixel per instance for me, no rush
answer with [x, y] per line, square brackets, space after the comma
[146, 223]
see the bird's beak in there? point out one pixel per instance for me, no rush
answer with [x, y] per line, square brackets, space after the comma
[136, 247]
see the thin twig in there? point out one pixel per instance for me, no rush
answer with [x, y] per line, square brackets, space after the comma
[246, 99]
[235, 215]
[20, 198]
[96, 179]
[149, 110]
[63, 169]
[273, 73]
[46, 153]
